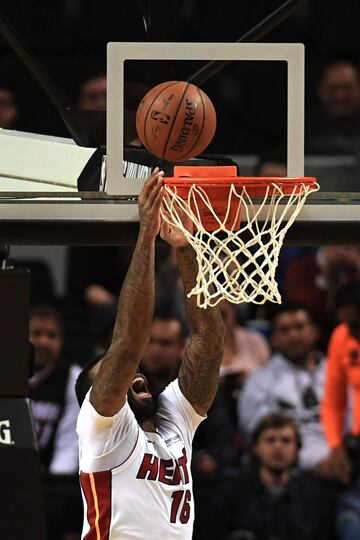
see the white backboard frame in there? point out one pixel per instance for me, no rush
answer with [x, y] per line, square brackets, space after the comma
[118, 53]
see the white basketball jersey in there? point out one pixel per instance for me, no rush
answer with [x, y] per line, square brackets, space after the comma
[136, 484]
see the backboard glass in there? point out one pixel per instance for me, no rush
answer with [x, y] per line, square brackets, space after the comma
[38, 174]
[121, 53]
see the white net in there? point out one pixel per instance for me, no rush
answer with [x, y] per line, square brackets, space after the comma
[237, 264]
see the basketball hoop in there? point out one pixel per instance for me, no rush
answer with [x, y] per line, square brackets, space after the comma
[239, 225]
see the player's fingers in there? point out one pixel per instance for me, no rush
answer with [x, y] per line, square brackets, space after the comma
[155, 190]
[165, 230]
[150, 182]
[165, 214]
[157, 200]
[179, 210]
[147, 195]
[184, 217]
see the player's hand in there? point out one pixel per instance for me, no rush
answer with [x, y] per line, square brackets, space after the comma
[173, 235]
[149, 205]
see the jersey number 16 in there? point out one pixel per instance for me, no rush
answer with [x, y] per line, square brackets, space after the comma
[180, 498]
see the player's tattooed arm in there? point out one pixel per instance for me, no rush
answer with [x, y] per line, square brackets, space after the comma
[199, 371]
[135, 309]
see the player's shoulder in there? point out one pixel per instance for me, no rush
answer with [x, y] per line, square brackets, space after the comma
[171, 395]
[172, 402]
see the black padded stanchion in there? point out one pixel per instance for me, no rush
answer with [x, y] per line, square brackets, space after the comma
[21, 511]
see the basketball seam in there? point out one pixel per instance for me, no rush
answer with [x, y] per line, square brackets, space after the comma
[201, 130]
[175, 116]
[149, 109]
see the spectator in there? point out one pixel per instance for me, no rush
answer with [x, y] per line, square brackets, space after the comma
[298, 266]
[95, 272]
[162, 356]
[245, 351]
[272, 163]
[292, 382]
[342, 376]
[55, 409]
[339, 88]
[9, 111]
[342, 380]
[273, 500]
[168, 287]
[348, 514]
[334, 127]
[92, 93]
[99, 281]
[338, 266]
[213, 458]
[52, 394]
[92, 96]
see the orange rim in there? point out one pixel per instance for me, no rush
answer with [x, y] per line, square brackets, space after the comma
[256, 186]
[246, 181]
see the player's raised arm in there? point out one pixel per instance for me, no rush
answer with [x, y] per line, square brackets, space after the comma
[135, 309]
[199, 370]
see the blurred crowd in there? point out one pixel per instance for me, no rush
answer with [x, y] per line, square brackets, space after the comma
[279, 456]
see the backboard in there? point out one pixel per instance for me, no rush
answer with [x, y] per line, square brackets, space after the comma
[120, 54]
[39, 200]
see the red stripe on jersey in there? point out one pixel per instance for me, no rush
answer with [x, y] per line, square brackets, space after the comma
[97, 492]
[86, 487]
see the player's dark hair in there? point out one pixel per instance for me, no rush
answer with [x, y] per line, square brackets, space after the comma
[84, 380]
[348, 295]
[275, 421]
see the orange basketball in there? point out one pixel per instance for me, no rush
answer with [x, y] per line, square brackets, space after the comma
[176, 121]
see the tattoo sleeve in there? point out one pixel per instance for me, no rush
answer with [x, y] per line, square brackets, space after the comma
[131, 331]
[199, 371]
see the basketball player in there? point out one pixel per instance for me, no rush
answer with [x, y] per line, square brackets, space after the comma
[135, 449]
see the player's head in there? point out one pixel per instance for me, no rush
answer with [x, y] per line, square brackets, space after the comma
[294, 333]
[339, 88]
[46, 334]
[141, 397]
[276, 443]
[347, 304]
